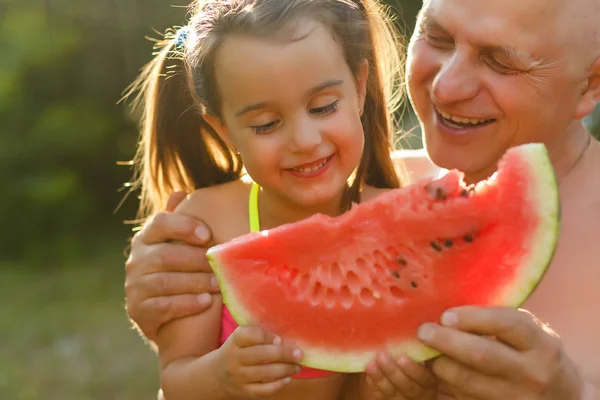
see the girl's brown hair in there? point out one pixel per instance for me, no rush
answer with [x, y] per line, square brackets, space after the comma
[178, 150]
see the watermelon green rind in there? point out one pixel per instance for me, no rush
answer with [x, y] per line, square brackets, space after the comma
[355, 362]
[544, 193]
[238, 312]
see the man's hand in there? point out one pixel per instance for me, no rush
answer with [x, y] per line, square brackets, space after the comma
[494, 353]
[167, 275]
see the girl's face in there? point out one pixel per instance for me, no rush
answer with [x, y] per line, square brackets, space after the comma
[292, 110]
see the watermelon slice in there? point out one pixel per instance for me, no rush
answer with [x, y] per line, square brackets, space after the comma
[344, 288]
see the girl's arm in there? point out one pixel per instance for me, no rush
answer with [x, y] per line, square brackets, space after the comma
[188, 348]
[189, 356]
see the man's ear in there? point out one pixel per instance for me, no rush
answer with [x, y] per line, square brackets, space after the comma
[219, 127]
[591, 93]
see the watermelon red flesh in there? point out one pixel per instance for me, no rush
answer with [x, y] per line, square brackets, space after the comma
[343, 288]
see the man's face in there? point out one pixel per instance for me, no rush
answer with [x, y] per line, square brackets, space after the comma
[487, 75]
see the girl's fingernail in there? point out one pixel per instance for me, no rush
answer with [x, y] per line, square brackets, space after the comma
[204, 299]
[449, 318]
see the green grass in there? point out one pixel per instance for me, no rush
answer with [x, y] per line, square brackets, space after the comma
[65, 335]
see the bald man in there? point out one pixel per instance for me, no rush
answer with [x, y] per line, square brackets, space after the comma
[482, 76]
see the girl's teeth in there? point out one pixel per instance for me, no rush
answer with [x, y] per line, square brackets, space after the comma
[311, 169]
[460, 120]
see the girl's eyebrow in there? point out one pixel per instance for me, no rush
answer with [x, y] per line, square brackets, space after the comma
[316, 89]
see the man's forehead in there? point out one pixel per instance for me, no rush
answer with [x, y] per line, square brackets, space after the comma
[498, 14]
[516, 24]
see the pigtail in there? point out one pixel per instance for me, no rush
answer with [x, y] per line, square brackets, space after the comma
[177, 149]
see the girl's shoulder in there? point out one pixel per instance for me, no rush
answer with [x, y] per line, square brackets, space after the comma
[223, 207]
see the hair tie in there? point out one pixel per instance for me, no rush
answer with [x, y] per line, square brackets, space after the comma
[181, 36]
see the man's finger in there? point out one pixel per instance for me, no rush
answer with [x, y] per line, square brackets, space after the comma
[483, 354]
[165, 226]
[174, 200]
[466, 381]
[177, 258]
[173, 307]
[517, 328]
[176, 283]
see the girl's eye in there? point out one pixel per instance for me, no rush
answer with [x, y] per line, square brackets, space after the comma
[265, 128]
[328, 109]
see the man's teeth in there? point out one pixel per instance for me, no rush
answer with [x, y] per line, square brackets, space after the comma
[460, 120]
[313, 168]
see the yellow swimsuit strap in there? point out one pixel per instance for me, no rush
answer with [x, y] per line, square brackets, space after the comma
[253, 208]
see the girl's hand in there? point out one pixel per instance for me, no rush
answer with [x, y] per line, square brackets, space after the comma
[256, 364]
[400, 380]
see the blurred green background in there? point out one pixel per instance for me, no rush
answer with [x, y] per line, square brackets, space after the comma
[63, 67]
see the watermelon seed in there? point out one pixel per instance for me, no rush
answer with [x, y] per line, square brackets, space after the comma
[468, 238]
[463, 193]
[395, 274]
[401, 261]
[413, 284]
[436, 246]
[448, 243]
[439, 194]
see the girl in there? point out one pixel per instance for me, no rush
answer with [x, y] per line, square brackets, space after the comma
[296, 93]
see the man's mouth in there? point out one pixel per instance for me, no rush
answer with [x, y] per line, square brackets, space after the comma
[457, 122]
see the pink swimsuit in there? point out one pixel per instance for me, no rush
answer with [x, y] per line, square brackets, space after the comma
[228, 324]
